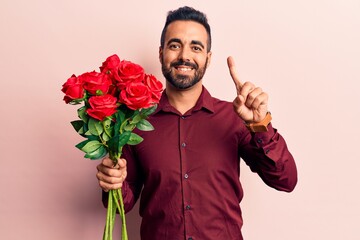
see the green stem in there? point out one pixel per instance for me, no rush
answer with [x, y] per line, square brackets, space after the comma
[107, 231]
[115, 201]
[122, 213]
[124, 229]
[113, 213]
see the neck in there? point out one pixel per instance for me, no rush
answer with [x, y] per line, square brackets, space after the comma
[183, 100]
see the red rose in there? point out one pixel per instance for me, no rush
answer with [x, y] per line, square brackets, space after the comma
[73, 89]
[128, 72]
[113, 90]
[110, 65]
[155, 87]
[136, 95]
[102, 106]
[95, 82]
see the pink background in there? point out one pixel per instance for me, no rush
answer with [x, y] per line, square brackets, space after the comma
[305, 54]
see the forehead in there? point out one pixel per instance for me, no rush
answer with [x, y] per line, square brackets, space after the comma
[186, 31]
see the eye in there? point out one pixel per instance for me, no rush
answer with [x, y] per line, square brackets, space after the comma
[174, 46]
[197, 48]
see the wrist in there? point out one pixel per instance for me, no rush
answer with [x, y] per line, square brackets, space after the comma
[259, 126]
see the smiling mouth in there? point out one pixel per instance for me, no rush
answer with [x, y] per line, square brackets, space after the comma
[183, 68]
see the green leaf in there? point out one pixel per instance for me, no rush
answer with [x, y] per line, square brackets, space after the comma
[120, 117]
[82, 144]
[92, 137]
[106, 123]
[137, 118]
[113, 143]
[95, 127]
[78, 124]
[87, 133]
[81, 132]
[144, 125]
[118, 141]
[76, 101]
[98, 153]
[124, 138]
[135, 139]
[129, 127]
[82, 114]
[148, 111]
[107, 126]
[105, 137]
[85, 128]
[91, 146]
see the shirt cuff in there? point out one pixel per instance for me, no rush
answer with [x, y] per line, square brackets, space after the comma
[262, 139]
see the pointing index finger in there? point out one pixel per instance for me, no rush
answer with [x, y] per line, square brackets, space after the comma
[233, 73]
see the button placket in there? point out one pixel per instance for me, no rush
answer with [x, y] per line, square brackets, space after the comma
[183, 123]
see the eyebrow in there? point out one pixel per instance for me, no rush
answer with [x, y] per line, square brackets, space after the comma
[177, 40]
[193, 42]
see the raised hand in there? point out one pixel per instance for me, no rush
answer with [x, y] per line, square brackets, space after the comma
[251, 103]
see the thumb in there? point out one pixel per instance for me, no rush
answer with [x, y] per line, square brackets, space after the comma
[239, 101]
[122, 162]
[107, 162]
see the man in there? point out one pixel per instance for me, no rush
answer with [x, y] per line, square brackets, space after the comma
[188, 168]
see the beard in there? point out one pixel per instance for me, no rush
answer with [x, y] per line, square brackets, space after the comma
[182, 81]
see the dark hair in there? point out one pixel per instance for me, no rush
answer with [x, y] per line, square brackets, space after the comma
[187, 14]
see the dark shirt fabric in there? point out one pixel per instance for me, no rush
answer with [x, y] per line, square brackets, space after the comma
[188, 170]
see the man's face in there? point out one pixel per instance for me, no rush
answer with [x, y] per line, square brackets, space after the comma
[184, 57]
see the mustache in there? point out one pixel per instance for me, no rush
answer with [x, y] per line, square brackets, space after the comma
[183, 63]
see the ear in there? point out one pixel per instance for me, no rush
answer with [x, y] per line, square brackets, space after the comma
[161, 55]
[209, 54]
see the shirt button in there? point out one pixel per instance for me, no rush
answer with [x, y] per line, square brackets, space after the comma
[259, 140]
[187, 207]
[183, 145]
[182, 117]
[186, 176]
[190, 238]
[267, 151]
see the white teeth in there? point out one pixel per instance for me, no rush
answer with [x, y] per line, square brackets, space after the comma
[184, 69]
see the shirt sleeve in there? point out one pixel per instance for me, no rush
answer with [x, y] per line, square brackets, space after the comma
[133, 184]
[266, 153]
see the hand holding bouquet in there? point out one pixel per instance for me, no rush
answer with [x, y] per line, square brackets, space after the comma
[115, 101]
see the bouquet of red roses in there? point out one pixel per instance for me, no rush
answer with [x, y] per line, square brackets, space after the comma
[115, 100]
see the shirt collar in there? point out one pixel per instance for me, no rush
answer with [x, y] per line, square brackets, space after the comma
[205, 102]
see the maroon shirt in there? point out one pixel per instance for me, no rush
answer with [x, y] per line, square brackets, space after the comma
[189, 168]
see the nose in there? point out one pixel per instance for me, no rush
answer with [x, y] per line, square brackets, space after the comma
[185, 54]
